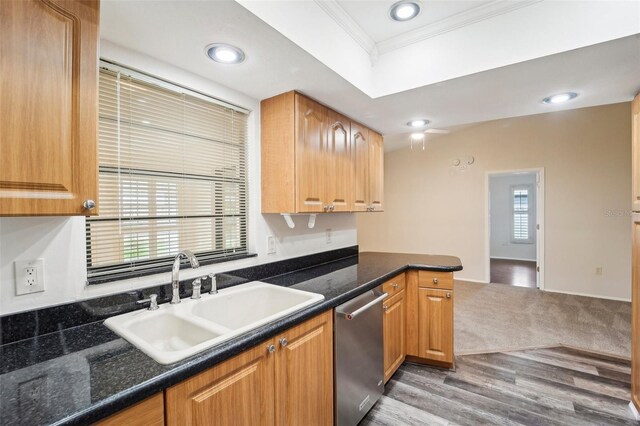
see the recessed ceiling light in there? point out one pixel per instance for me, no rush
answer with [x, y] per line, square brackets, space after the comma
[224, 53]
[418, 123]
[404, 10]
[559, 98]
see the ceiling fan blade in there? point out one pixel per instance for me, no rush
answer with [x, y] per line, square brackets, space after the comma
[437, 131]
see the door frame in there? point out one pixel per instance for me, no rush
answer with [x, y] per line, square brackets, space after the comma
[539, 171]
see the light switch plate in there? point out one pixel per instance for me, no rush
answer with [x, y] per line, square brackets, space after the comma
[29, 276]
[271, 245]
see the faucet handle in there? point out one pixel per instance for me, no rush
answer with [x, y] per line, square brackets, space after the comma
[152, 300]
[214, 284]
[196, 285]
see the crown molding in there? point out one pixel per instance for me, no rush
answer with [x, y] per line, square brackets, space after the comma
[350, 26]
[454, 22]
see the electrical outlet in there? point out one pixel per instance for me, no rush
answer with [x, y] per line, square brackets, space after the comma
[29, 276]
[598, 270]
[271, 244]
[328, 235]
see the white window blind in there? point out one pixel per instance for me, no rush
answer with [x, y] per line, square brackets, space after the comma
[172, 173]
[521, 215]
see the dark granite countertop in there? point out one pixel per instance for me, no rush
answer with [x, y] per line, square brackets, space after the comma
[82, 374]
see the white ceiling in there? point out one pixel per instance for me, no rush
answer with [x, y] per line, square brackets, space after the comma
[488, 36]
[373, 16]
[177, 32]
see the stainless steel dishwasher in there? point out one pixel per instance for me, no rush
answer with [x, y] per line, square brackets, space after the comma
[359, 353]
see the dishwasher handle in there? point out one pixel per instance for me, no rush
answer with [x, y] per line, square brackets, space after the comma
[361, 309]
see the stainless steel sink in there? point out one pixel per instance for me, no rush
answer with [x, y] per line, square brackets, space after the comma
[175, 332]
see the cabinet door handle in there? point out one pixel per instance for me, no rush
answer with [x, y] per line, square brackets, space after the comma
[271, 348]
[89, 204]
[385, 307]
[283, 342]
[435, 281]
[448, 295]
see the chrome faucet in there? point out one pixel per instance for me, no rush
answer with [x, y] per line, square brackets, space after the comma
[175, 279]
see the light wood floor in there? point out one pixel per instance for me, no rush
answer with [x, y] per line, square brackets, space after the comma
[521, 273]
[555, 386]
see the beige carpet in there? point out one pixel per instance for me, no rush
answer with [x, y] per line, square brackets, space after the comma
[496, 317]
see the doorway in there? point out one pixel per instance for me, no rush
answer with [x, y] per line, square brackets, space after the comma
[515, 201]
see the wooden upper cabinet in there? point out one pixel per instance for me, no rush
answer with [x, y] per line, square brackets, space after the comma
[48, 105]
[635, 135]
[237, 392]
[360, 148]
[376, 171]
[315, 160]
[339, 168]
[311, 146]
[304, 373]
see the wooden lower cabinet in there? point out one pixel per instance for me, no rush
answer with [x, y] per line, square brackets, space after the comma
[149, 412]
[239, 391]
[435, 329]
[635, 316]
[292, 384]
[304, 373]
[429, 298]
[394, 321]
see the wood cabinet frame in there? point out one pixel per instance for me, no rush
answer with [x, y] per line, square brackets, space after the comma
[316, 160]
[48, 103]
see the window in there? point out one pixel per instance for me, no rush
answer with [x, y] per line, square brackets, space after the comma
[172, 173]
[521, 202]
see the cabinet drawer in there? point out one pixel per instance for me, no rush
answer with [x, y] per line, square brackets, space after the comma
[435, 279]
[395, 285]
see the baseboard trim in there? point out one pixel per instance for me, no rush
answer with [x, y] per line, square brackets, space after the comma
[513, 258]
[618, 299]
[471, 281]
[509, 349]
[549, 346]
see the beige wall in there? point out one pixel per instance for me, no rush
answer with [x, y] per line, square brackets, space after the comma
[433, 207]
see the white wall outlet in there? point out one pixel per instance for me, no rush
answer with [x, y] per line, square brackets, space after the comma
[271, 244]
[29, 276]
[328, 234]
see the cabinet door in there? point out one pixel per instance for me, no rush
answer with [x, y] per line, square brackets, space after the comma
[376, 171]
[48, 105]
[339, 175]
[311, 138]
[635, 135]
[304, 373]
[435, 314]
[360, 147]
[394, 333]
[635, 317]
[237, 392]
[149, 412]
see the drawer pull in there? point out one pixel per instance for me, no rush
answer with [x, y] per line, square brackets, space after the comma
[271, 348]
[435, 281]
[394, 285]
[385, 307]
[448, 295]
[283, 342]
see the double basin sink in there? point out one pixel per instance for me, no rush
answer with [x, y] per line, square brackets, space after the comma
[175, 332]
